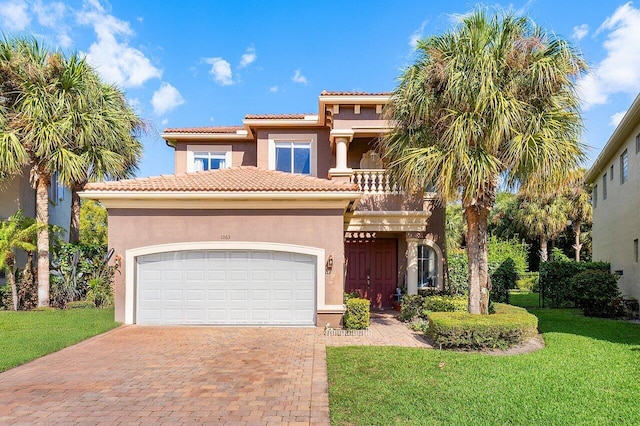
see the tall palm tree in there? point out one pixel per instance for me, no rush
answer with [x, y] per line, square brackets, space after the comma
[36, 130]
[16, 233]
[543, 218]
[580, 210]
[104, 129]
[495, 97]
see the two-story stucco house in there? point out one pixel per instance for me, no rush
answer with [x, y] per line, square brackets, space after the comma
[615, 177]
[269, 223]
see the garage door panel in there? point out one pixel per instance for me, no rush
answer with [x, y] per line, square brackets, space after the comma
[226, 287]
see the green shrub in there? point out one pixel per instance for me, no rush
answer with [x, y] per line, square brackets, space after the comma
[458, 278]
[444, 304]
[502, 280]
[80, 304]
[410, 304]
[357, 316]
[594, 292]
[555, 281]
[346, 296]
[510, 325]
[100, 292]
[528, 282]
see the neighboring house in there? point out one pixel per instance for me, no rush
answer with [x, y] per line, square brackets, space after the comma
[16, 193]
[615, 177]
[271, 222]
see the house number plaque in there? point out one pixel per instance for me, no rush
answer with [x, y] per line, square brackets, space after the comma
[225, 237]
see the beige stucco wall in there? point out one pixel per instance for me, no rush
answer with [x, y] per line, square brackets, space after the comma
[243, 152]
[135, 228]
[346, 117]
[16, 193]
[616, 220]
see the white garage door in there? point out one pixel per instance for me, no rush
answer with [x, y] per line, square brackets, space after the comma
[226, 287]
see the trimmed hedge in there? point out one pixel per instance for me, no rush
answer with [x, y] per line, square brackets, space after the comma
[555, 281]
[510, 325]
[594, 293]
[421, 306]
[358, 315]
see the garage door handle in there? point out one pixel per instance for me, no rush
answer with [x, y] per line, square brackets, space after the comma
[368, 281]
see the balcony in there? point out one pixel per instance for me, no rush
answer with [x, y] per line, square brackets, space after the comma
[373, 181]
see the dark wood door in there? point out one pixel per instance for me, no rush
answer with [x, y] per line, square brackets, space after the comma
[372, 269]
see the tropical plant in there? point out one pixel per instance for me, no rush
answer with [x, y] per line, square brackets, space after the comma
[502, 216]
[93, 223]
[455, 226]
[544, 219]
[580, 210]
[16, 233]
[494, 98]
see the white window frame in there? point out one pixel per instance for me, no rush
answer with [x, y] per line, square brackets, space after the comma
[311, 139]
[439, 262]
[225, 150]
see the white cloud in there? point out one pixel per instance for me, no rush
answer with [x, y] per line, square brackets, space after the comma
[165, 122]
[273, 89]
[617, 118]
[249, 57]
[619, 71]
[580, 31]
[166, 98]
[49, 15]
[220, 70]
[14, 15]
[298, 77]
[417, 35]
[114, 58]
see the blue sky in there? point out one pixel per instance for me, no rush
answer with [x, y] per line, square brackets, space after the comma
[204, 63]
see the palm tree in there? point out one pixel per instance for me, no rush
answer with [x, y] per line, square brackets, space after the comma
[495, 97]
[104, 129]
[580, 210]
[16, 233]
[544, 219]
[36, 130]
[455, 227]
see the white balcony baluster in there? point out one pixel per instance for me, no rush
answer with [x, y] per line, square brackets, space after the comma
[373, 181]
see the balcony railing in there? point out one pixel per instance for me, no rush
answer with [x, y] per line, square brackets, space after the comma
[373, 181]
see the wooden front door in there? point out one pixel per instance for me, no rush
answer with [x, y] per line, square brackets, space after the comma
[372, 269]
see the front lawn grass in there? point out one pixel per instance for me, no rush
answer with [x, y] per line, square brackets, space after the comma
[587, 374]
[31, 334]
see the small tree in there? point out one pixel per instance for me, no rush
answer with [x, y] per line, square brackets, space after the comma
[16, 233]
[93, 223]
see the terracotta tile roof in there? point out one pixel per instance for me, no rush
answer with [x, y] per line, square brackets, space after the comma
[276, 116]
[330, 93]
[216, 129]
[235, 179]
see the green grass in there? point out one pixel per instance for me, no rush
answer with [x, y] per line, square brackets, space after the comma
[27, 335]
[588, 374]
[524, 299]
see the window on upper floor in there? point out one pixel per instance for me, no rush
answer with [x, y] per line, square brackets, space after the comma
[208, 157]
[638, 143]
[611, 172]
[293, 157]
[624, 167]
[635, 250]
[293, 153]
[604, 186]
[56, 190]
[594, 196]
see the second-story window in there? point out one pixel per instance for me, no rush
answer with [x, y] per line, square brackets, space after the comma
[209, 161]
[624, 167]
[293, 157]
[604, 186]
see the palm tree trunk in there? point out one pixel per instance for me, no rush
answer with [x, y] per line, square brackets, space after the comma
[478, 259]
[74, 225]
[544, 254]
[42, 219]
[11, 279]
[577, 246]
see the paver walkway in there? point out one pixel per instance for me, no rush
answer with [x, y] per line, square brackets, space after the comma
[385, 330]
[187, 375]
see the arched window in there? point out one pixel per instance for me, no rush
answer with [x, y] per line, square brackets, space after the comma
[427, 267]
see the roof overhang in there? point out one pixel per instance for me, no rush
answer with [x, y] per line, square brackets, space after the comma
[351, 99]
[172, 138]
[310, 120]
[392, 221]
[617, 139]
[346, 200]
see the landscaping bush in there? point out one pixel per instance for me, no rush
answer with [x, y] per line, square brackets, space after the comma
[100, 292]
[594, 292]
[510, 325]
[444, 304]
[6, 301]
[528, 282]
[411, 305]
[555, 281]
[357, 316]
[499, 252]
[80, 304]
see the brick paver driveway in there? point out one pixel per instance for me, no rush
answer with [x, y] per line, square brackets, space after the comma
[171, 375]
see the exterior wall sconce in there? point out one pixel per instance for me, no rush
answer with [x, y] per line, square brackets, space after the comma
[329, 265]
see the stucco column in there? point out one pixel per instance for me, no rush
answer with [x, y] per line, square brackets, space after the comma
[412, 266]
[341, 152]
